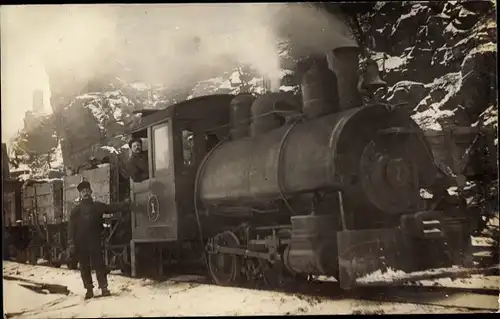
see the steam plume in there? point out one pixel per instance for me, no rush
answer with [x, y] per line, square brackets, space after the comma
[175, 45]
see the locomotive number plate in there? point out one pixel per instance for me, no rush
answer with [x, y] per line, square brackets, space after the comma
[153, 208]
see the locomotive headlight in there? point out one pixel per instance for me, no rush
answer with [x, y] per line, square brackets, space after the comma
[398, 173]
[390, 177]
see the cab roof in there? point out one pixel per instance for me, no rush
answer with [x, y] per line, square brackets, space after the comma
[203, 107]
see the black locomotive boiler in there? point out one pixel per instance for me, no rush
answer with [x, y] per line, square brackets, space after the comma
[327, 186]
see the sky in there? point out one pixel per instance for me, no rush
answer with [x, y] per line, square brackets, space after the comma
[74, 43]
[22, 72]
[31, 36]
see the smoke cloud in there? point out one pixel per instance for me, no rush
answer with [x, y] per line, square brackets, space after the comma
[175, 45]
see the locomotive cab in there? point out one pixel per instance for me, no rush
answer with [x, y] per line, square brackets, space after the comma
[177, 138]
[157, 216]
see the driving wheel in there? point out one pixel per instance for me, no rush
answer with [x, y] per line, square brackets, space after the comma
[225, 269]
[273, 276]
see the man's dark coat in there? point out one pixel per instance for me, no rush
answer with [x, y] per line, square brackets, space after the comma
[137, 167]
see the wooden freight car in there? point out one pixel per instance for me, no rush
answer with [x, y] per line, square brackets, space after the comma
[42, 209]
[42, 202]
[11, 203]
[16, 237]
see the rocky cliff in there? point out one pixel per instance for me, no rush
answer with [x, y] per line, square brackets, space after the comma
[440, 57]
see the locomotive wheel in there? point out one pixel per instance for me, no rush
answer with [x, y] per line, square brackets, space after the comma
[225, 269]
[273, 277]
[278, 277]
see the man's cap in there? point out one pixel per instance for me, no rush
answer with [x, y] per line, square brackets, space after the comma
[133, 141]
[83, 185]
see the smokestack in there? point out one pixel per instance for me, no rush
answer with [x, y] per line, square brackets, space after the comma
[344, 61]
[241, 112]
[319, 88]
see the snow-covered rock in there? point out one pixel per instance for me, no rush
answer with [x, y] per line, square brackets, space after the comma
[409, 92]
[439, 58]
[431, 110]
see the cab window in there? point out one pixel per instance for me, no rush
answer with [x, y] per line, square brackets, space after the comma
[188, 147]
[161, 147]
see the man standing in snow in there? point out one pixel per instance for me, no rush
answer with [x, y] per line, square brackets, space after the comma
[84, 237]
[137, 165]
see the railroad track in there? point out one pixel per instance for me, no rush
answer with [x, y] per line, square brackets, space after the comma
[484, 301]
[460, 297]
[471, 298]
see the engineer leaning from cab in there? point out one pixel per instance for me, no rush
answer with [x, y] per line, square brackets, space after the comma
[137, 165]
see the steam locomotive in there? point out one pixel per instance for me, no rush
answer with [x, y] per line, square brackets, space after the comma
[331, 189]
[280, 186]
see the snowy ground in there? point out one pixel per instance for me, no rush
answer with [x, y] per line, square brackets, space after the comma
[141, 298]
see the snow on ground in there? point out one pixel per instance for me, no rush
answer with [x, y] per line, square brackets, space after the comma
[380, 275]
[476, 281]
[392, 274]
[144, 297]
[18, 299]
